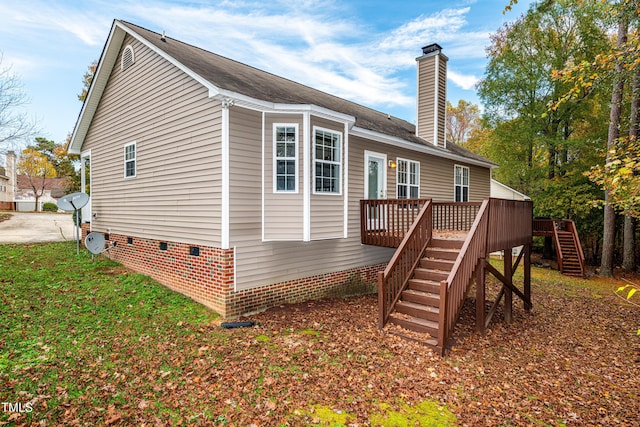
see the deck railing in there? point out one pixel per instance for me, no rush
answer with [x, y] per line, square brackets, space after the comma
[543, 227]
[510, 224]
[454, 216]
[454, 289]
[494, 224]
[500, 225]
[384, 222]
[393, 280]
[571, 226]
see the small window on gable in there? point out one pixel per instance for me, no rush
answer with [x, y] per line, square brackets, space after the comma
[130, 160]
[127, 58]
[285, 155]
[461, 183]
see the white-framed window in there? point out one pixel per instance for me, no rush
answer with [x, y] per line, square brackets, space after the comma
[130, 160]
[461, 183]
[285, 158]
[327, 161]
[127, 58]
[407, 179]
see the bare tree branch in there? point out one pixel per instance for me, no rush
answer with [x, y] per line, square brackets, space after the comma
[15, 124]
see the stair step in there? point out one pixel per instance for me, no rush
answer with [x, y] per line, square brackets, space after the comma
[427, 340]
[422, 285]
[419, 297]
[446, 243]
[436, 264]
[429, 274]
[442, 253]
[415, 324]
[418, 310]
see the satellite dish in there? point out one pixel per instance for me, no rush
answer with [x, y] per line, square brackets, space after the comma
[73, 201]
[94, 242]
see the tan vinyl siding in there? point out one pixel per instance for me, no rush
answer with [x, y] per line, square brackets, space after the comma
[436, 173]
[283, 216]
[177, 130]
[479, 182]
[262, 263]
[426, 99]
[427, 102]
[327, 210]
[245, 151]
[442, 100]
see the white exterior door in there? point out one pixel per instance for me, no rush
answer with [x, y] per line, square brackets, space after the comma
[375, 188]
[85, 184]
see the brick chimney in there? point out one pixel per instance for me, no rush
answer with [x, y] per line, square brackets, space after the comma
[432, 95]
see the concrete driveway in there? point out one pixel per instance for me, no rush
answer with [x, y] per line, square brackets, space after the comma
[27, 227]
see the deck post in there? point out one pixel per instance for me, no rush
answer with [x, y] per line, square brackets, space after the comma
[527, 276]
[508, 293]
[480, 295]
[381, 298]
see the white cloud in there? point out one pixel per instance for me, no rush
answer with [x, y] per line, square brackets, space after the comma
[441, 26]
[323, 44]
[466, 82]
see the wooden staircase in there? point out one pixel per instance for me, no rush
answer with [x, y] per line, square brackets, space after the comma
[441, 248]
[569, 251]
[418, 308]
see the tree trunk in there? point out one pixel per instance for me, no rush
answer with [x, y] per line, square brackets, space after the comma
[628, 252]
[609, 233]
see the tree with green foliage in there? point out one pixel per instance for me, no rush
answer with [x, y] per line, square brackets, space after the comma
[542, 151]
[612, 68]
[518, 83]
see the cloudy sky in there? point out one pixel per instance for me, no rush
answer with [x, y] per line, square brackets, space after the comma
[361, 50]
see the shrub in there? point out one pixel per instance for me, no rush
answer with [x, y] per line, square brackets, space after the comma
[49, 207]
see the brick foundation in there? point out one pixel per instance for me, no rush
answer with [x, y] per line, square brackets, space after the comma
[208, 277]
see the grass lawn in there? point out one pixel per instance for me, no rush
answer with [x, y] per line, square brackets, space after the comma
[91, 343]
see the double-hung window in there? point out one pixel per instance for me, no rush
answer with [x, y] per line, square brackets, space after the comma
[130, 160]
[461, 183]
[408, 179]
[327, 158]
[285, 155]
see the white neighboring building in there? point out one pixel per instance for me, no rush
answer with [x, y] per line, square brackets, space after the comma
[8, 181]
[501, 191]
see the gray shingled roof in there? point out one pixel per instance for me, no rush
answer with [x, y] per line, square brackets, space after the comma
[234, 76]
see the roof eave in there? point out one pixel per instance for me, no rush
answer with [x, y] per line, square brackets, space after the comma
[431, 150]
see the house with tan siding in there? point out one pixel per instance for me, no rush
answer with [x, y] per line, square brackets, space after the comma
[243, 189]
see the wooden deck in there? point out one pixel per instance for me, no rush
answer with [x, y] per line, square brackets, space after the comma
[441, 248]
[564, 235]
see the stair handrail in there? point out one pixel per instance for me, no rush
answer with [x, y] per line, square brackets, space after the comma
[556, 242]
[454, 288]
[395, 277]
[578, 244]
